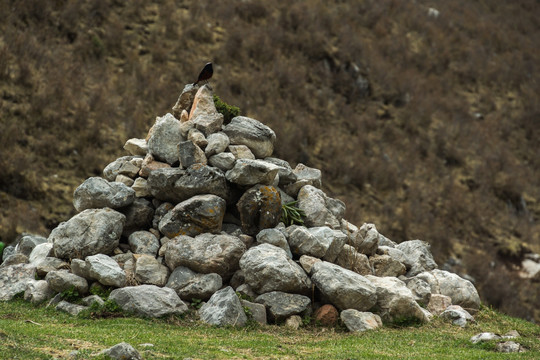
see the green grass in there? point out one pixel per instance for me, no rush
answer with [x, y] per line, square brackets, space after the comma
[28, 332]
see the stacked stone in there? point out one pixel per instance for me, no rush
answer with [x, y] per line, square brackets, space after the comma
[193, 214]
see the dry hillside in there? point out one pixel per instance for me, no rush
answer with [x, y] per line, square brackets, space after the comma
[426, 125]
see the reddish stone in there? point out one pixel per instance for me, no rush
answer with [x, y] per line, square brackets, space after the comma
[327, 315]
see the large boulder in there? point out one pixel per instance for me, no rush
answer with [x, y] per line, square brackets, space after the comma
[148, 300]
[223, 308]
[90, 232]
[14, 279]
[248, 172]
[163, 139]
[419, 255]
[96, 192]
[197, 215]
[343, 288]
[461, 291]
[252, 133]
[190, 285]
[268, 268]
[321, 242]
[259, 208]
[281, 305]
[206, 253]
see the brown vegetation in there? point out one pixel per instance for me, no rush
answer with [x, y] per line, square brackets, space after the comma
[426, 126]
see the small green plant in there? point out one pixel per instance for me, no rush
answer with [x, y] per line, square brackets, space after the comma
[71, 294]
[101, 291]
[228, 111]
[248, 312]
[290, 214]
[2, 245]
[196, 303]
[243, 296]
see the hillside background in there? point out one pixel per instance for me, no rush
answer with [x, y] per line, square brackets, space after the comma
[427, 126]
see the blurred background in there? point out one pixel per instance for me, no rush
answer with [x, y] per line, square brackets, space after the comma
[424, 116]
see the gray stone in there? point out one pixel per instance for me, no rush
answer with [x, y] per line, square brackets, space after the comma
[274, 237]
[252, 133]
[96, 192]
[320, 242]
[512, 334]
[190, 154]
[282, 305]
[485, 336]
[395, 302]
[160, 212]
[385, 265]
[105, 270]
[438, 303]
[351, 291]
[285, 172]
[394, 253]
[259, 208]
[125, 180]
[197, 215]
[49, 264]
[136, 146]
[122, 351]
[190, 285]
[144, 242]
[203, 112]
[112, 170]
[223, 161]
[139, 216]
[304, 176]
[197, 137]
[148, 300]
[70, 308]
[509, 347]
[366, 239]
[163, 139]
[419, 253]
[129, 169]
[40, 252]
[352, 260]
[206, 253]
[307, 262]
[38, 291]
[257, 311]
[90, 300]
[28, 243]
[8, 250]
[313, 202]
[457, 315]
[15, 259]
[247, 172]
[357, 321]
[81, 268]
[223, 308]
[247, 291]
[93, 231]
[217, 143]
[241, 152]
[141, 188]
[420, 290]
[175, 185]
[148, 270]
[185, 100]
[268, 268]
[461, 291]
[62, 280]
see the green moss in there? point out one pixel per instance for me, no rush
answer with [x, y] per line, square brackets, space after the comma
[228, 111]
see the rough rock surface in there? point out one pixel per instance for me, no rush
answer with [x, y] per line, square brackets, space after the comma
[122, 351]
[313, 202]
[357, 321]
[281, 305]
[259, 208]
[252, 133]
[63, 280]
[223, 308]
[14, 280]
[326, 315]
[419, 254]
[148, 300]
[96, 192]
[461, 291]
[163, 139]
[190, 285]
[105, 270]
[247, 172]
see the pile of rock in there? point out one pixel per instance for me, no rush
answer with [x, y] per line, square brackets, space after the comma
[193, 214]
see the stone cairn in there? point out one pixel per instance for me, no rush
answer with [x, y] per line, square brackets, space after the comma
[193, 215]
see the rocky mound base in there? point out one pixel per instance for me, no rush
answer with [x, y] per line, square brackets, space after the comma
[194, 215]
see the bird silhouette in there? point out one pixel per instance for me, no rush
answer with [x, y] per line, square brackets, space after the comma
[206, 73]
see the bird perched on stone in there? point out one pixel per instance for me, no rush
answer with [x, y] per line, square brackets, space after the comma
[206, 73]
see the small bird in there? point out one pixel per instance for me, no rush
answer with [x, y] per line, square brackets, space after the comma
[206, 73]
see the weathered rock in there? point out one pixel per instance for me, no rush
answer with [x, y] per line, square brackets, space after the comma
[197, 215]
[48, 264]
[160, 212]
[63, 280]
[223, 161]
[252, 133]
[352, 260]
[366, 239]
[420, 290]
[185, 100]
[28, 243]
[357, 321]
[112, 170]
[122, 351]
[395, 302]
[304, 176]
[136, 146]
[139, 215]
[40, 252]
[313, 202]
[197, 137]
[223, 308]
[8, 250]
[70, 308]
[190, 154]
[90, 300]
[394, 253]
[144, 242]
[247, 172]
[190, 285]
[385, 265]
[274, 237]
[93, 231]
[96, 192]
[320, 242]
[141, 188]
[352, 291]
[203, 112]
[281, 305]
[217, 143]
[247, 291]
[259, 208]
[15, 259]
[285, 172]
[148, 270]
[149, 164]
[461, 291]
[206, 253]
[149, 300]
[485, 336]
[241, 152]
[457, 315]
[257, 311]
[129, 169]
[268, 268]
[438, 303]
[509, 347]
[419, 253]
[163, 139]
[38, 291]
[176, 185]
[125, 180]
[293, 322]
[106, 270]
[307, 262]
[326, 315]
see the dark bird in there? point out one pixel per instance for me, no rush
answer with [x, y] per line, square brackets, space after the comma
[206, 73]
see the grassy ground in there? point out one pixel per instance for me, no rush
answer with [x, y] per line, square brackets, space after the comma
[28, 332]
